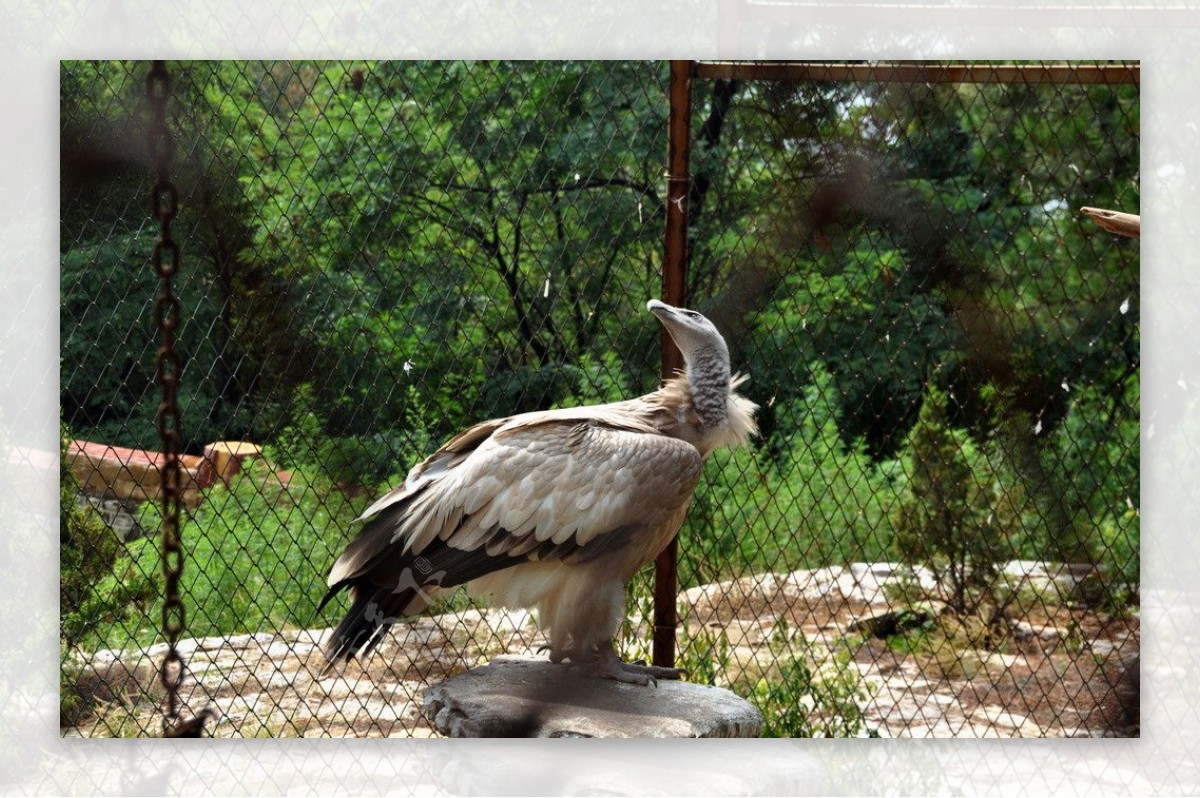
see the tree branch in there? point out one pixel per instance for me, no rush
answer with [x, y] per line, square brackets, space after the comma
[583, 184]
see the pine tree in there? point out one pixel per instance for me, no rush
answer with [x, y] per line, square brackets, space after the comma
[947, 520]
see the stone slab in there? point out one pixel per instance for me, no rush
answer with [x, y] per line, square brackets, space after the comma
[521, 697]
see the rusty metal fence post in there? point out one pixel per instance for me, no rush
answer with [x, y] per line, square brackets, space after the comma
[674, 291]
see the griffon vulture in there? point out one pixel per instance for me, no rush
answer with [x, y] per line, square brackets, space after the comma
[552, 510]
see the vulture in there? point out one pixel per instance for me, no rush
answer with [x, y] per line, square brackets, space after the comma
[551, 510]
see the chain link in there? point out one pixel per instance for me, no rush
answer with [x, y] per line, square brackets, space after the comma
[165, 259]
[820, 242]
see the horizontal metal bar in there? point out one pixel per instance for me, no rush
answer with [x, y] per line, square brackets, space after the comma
[917, 72]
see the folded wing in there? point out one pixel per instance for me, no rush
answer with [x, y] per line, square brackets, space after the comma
[564, 486]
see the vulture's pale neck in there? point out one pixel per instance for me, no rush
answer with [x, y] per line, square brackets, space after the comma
[708, 375]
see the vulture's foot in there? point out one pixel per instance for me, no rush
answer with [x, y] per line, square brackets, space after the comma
[570, 656]
[610, 666]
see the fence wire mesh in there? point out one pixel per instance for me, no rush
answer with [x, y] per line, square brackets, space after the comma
[936, 532]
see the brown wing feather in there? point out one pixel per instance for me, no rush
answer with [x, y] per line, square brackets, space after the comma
[554, 487]
[562, 483]
[582, 492]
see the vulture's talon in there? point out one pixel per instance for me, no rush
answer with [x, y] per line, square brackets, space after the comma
[619, 672]
[656, 671]
[569, 656]
[610, 666]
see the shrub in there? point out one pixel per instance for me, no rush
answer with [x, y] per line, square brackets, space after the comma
[89, 554]
[948, 519]
[256, 556]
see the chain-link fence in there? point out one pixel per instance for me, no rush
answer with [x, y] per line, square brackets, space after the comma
[936, 532]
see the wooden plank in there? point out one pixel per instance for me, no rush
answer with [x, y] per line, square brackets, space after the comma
[1125, 224]
[134, 474]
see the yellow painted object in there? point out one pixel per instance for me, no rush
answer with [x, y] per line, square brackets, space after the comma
[227, 457]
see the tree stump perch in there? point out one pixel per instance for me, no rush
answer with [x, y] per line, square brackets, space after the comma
[228, 457]
[520, 697]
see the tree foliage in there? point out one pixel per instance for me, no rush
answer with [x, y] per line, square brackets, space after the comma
[378, 254]
[949, 520]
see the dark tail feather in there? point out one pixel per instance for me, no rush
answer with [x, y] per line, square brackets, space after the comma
[373, 610]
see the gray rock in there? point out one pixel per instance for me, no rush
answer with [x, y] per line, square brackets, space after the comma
[119, 516]
[519, 697]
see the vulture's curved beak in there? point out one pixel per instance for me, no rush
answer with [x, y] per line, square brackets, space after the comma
[660, 309]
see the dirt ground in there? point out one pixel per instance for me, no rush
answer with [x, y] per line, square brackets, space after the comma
[1062, 669]
[1059, 668]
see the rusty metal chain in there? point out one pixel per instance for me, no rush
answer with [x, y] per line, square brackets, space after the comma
[165, 258]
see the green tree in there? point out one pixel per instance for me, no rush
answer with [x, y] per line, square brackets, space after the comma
[948, 519]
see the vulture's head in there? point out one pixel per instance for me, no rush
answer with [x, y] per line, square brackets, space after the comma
[697, 337]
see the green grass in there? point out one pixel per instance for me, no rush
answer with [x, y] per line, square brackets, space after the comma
[255, 559]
